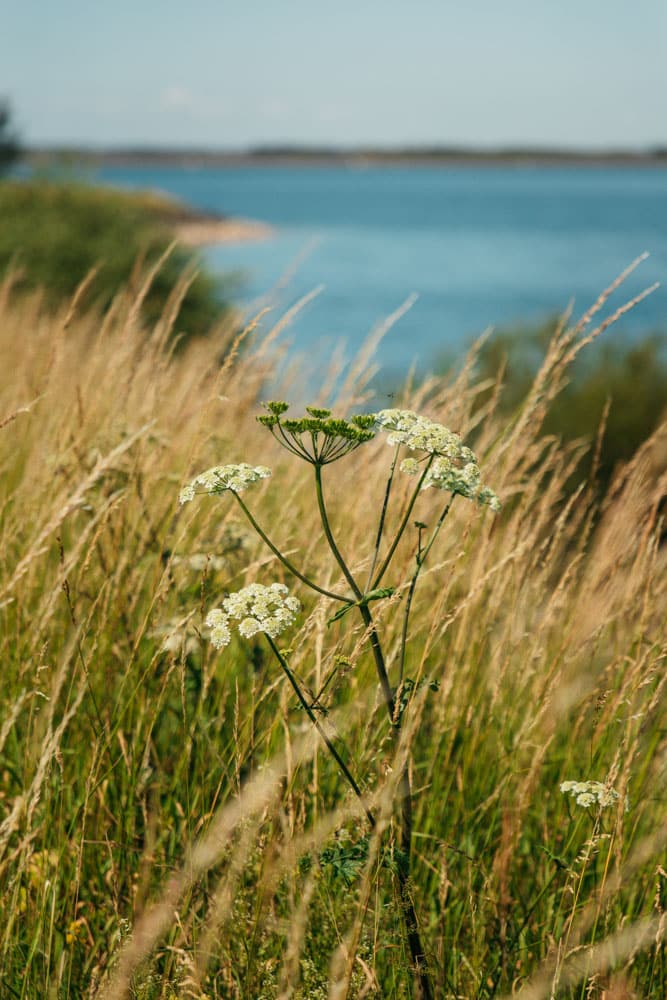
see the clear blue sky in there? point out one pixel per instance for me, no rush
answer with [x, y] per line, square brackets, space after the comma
[584, 73]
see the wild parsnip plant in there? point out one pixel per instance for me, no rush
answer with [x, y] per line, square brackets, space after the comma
[320, 439]
[172, 822]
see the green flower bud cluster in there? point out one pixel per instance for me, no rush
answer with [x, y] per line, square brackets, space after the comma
[318, 437]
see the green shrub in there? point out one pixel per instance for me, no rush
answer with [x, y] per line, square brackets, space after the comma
[54, 233]
[630, 377]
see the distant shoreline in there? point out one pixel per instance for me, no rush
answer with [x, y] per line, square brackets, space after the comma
[353, 158]
[194, 228]
[202, 231]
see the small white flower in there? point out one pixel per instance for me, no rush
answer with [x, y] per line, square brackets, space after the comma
[486, 497]
[418, 433]
[249, 627]
[224, 477]
[256, 608]
[186, 494]
[218, 622]
[591, 793]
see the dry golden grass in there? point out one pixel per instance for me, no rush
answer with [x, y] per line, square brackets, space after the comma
[164, 813]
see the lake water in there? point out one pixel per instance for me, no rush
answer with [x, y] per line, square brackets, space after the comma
[479, 246]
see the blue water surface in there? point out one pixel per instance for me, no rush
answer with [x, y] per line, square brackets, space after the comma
[480, 245]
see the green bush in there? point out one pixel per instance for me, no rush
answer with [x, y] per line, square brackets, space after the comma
[631, 377]
[53, 233]
[9, 142]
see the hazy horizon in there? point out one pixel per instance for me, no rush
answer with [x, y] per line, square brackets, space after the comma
[340, 149]
[371, 74]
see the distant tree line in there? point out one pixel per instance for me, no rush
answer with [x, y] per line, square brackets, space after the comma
[10, 147]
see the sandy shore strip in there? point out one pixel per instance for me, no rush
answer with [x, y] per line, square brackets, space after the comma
[207, 232]
[193, 227]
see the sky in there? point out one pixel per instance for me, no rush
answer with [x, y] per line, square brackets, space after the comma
[228, 75]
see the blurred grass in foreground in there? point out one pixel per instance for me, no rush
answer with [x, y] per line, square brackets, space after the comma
[168, 826]
[54, 233]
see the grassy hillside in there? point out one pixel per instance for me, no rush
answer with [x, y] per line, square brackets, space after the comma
[54, 234]
[170, 828]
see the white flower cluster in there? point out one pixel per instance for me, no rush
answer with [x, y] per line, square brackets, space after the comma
[591, 793]
[256, 608]
[454, 466]
[421, 434]
[464, 480]
[224, 477]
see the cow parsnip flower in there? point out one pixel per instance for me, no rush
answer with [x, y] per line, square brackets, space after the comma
[419, 433]
[218, 622]
[224, 477]
[255, 608]
[318, 437]
[591, 793]
[453, 466]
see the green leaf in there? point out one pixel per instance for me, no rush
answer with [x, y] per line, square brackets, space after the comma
[373, 595]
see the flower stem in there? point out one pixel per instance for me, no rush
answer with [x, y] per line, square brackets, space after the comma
[285, 561]
[363, 608]
[383, 514]
[420, 559]
[318, 725]
[402, 526]
[329, 534]
[419, 961]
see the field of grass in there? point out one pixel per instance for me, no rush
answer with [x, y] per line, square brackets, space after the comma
[170, 824]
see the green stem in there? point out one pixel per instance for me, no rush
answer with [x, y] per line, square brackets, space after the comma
[329, 535]
[415, 946]
[316, 722]
[402, 526]
[419, 960]
[285, 561]
[363, 608]
[420, 560]
[383, 514]
[406, 617]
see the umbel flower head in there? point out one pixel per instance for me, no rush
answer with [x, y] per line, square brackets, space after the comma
[318, 437]
[591, 793]
[453, 466]
[224, 477]
[422, 434]
[256, 608]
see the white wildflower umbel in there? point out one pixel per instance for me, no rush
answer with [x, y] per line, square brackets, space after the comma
[453, 466]
[256, 608]
[224, 477]
[421, 434]
[591, 793]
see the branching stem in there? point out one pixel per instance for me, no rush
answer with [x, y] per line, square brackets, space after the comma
[420, 559]
[285, 561]
[419, 960]
[402, 526]
[383, 515]
[318, 725]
